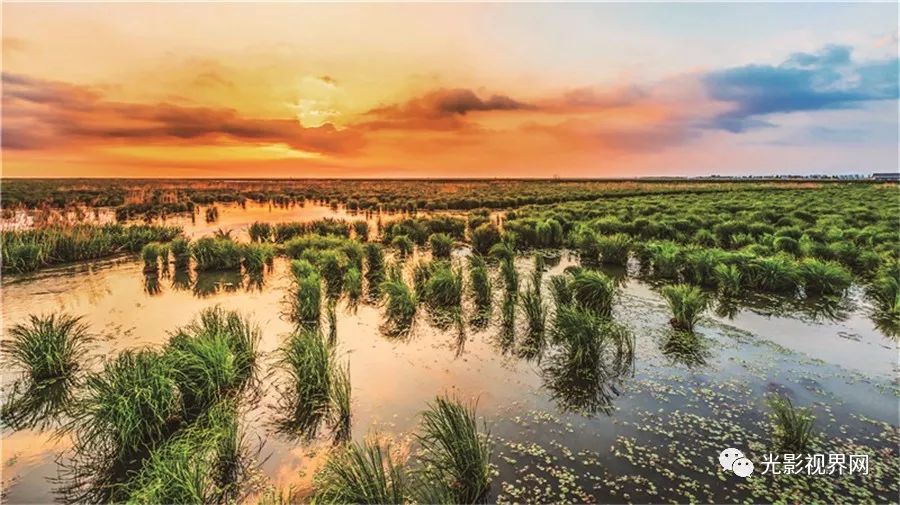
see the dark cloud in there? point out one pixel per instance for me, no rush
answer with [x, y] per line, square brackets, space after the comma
[439, 109]
[828, 79]
[45, 114]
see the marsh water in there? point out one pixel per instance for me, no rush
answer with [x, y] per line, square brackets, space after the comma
[651, 435]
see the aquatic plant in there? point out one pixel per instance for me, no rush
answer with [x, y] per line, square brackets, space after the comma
[188, 468]
[687, 304]
[535, 310]
[614, 249]
[361, 230]
[181, 252]
[365, 473]
[584, 336]
[484, 237]
[561, 290]
[776, 274]
[29, 250]
[374, 269]
[306, 300]
[443, 290]
[421, 273]
[212, 214]
[332, 266]
[256, 256]
[824, 277]
[510, 276]
[353, 285]
[666, 259]
[502, 251]
[340, 397]
[793, 426]
[729, 279]
[400, 307]
[305, 399]
[454, 453]
[47, 348]
[213, 358]
[403, 245]
[260, 231]
[594, 291]
[216, 254]
[441, 245]
[150, 257]
[884, 291]
[125, 411]
[585, 242]
[480, 284]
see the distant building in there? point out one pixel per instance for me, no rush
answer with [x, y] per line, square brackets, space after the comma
[887, 176]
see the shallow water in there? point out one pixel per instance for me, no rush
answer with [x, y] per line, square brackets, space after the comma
[657, 439]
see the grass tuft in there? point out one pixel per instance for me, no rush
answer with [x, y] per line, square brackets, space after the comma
[687, 304]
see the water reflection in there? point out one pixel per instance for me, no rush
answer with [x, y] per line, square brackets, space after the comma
[213, 282]
[685, 348]
[151, 284]
[37, 405]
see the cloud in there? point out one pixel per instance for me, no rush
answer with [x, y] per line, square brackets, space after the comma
[824, 80]
[439, 109]
[46, 114]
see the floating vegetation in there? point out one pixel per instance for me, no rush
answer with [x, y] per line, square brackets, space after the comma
[455, 454]
[793, 426]
[687, 304]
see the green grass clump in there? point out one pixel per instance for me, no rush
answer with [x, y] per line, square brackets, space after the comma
[666, 258]
[455, 454]
[212, 214]
[614, 249]
[824, 277]
[150, 257]
[884, 291]
[216, 254]
[584, 336]
[332, 266]
[441, 245]
[213, 358]
[30, 250]
[594, 291]
[729, 279]
[306, 398]
[181, 251]
[362, 473]
[48, 348]
[561, 290]
[585, 242]
[374, 254]
[353, 285]
[256, 256]
[510, 276]
[484, 237]
[400, 307]
[421, 273]
[403, 244]
[125, 412]
[340, 394]
[793, 427]
[361, 230]
[775, 274]
[193, 466]
[480, 284]
[687, 304]
[306, 298]
[260, 231]
[443, 290]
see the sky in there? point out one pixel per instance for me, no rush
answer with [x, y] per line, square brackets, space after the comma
[448, 90]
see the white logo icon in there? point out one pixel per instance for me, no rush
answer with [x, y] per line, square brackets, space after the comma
[734, 460]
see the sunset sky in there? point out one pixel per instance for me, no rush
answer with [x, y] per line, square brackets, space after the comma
[448, 90]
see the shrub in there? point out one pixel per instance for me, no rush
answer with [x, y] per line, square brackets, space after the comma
[687, 304]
